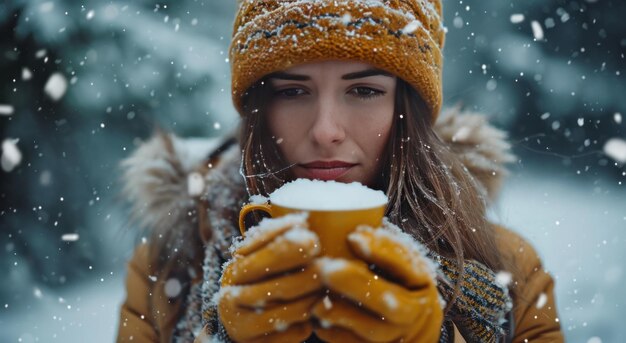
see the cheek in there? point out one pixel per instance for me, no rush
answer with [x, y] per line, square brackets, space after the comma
[288, 120]
[375, 139]
[277, 122]
[283, 128]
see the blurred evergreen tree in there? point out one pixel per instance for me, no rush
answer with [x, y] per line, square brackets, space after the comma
[128, 67]
[541, 84]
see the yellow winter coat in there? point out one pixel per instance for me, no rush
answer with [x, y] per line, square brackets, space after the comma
[149, 315]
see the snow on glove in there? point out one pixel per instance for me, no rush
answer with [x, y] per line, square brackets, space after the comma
[270, 286]
[401, 303]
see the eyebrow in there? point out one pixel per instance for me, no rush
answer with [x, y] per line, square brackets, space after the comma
[349, 76]
[366, 73]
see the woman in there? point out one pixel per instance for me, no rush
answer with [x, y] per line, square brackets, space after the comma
[348, 91]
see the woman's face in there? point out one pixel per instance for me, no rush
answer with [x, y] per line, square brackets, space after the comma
[332, 119]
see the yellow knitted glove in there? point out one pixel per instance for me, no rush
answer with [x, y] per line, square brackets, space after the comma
[270, 286]
[399, 304]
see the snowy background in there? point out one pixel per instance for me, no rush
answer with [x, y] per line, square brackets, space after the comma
[81, 84]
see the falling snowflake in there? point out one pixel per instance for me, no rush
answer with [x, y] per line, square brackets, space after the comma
[172, 288]
[615, 148]
[37, 293]
[6, 110]
[517, 18]
[537, 30]
[26, 74]
[328, 304]
[541, 301]
[41, 53]
[56, 86]
[70, 237]
[11, 154]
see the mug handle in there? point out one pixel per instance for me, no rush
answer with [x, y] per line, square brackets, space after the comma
[249, 208]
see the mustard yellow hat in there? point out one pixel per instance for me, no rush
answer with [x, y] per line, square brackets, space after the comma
[404, 37]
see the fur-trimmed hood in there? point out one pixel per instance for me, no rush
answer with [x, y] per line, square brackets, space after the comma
[166, 176]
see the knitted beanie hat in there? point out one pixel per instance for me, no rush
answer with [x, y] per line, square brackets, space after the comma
[403, 37]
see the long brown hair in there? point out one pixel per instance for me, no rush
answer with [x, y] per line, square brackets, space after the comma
[432, 196]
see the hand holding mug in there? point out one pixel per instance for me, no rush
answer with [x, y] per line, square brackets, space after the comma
[361, 305]
[270, 285]
[398, 302]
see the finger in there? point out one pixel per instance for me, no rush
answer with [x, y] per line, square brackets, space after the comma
[356, 282]
[295, 333]
[244, 324]
[395, 254]
[428, 328]
[342, 316]
[279, 289]
[268, 229]
[295, 248]
[337, 335]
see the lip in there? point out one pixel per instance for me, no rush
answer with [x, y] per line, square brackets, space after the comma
[326, 170]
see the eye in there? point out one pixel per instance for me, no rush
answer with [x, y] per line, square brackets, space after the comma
[366, 92]
[290, 92]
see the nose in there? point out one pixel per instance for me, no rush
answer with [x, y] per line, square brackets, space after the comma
[327, 129]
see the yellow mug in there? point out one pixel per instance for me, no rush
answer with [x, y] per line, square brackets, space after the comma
[331, 226]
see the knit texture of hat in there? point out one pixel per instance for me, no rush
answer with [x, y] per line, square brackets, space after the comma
[404, 37]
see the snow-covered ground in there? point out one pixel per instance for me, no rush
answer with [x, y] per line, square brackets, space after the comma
[579, 228]
[85, 313]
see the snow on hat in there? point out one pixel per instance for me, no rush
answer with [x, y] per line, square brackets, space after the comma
[404, 37]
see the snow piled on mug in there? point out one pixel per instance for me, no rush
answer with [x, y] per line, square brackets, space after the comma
[316, 195]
